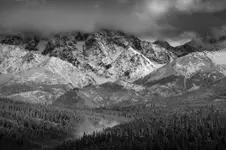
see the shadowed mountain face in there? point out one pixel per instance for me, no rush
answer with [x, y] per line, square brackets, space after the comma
[108, 95]
[107, 68]
[202, 44]
[177, 51]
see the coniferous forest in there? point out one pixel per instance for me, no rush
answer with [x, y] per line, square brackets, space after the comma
[30, 126]
[26, 126]
[201, 128]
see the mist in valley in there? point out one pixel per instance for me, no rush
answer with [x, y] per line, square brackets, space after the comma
[89, 127]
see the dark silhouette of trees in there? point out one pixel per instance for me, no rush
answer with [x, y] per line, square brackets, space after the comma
[28, 125]
[198, 128]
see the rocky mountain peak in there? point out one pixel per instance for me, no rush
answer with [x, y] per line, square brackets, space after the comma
[39, 77]
[186, 73]
[77, 60]
[203, 43]
[162, 43]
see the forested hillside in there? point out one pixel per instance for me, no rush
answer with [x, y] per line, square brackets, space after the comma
[202, 128]
[25, 126]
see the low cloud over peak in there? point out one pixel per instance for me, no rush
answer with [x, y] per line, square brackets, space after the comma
[145, 18]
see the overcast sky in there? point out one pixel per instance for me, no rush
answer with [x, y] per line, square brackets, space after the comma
[174, 20]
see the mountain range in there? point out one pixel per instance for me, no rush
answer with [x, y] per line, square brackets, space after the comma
[106, 68]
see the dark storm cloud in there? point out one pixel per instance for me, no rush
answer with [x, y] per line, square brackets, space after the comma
[53, 16]
[174, 19]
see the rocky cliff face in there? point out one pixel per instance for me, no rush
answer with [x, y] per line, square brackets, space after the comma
[27, 74]
[75, 60]
[186, 73]
[105, 68]
[194, 71]
[202, 44]
[166, 47]
[184, 76]
[110, 55]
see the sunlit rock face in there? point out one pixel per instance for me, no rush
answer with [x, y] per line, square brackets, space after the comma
[106, 68]
[218, 58]
[186, 73]
[45, 69]
[102, 53]
[109, 55]
[33, 74]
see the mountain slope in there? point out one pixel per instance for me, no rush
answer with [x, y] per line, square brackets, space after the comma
[104, 51]
[186, 73]
[42, 78]
[101, 53]
[202, 44]
[76, 60]
[105, 95]
[177, 51]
